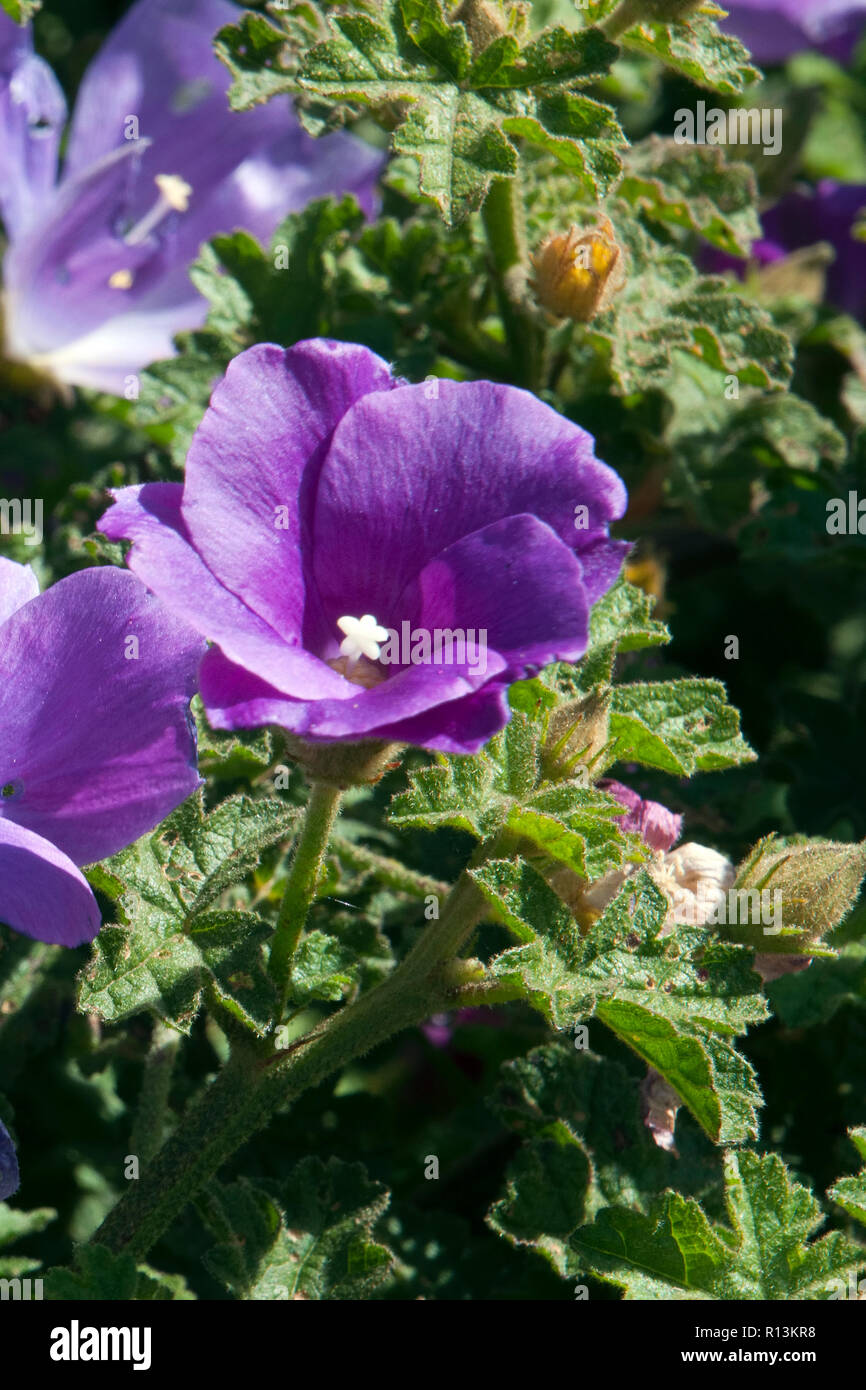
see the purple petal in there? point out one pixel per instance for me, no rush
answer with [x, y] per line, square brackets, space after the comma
[805, 217]
[32, 117]
[95, 733]
[42, 893]
[518, 583]
[158, 65]
[18, 585]
[164, 559]
[245, 168]
[58, 276]
[9, 1177]
[463, 726]
[659, 827]
[235, 698]
[447, 466]
[262, 435]
[773, 30]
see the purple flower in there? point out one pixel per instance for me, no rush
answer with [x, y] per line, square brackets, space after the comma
[156, 163]
[659, 827]
[773, 30]
[8, 1165]
[803, 218]
[326, 503]
[96, 742]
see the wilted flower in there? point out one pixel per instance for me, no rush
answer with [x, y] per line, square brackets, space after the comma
[95, 273]
[659, 827]
[467, 519]
[775, 29]
[8, 1165]
[96, 743]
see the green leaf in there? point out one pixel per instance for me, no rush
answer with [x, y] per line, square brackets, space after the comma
[240, 753]
[850, 1193]
[100, 1275]
[322, 968]
[600, 1103]
[814, 996]
[766, 1253]
[698, 50]
[173, 938]
[682, 726]
[22, 11]
[16, 1225]
[461, 110]
[694, 187]
[545, 1197]
[311, 1238]
[667, 314]
[667, 997]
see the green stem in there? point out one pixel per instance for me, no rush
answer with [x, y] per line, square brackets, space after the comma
[627, 14]
[300, 890]
[504, 224]
[390, 872]
[253, 1086]
[148, 1130]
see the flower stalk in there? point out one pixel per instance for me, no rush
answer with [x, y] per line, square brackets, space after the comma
[256, 1083]
[310, 849]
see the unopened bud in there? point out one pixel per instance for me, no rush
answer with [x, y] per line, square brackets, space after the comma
[817, 882]
[577, 733]
[344, 764]
[576, 274]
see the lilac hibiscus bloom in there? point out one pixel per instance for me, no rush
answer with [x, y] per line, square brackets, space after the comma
[8, 1165]
[773, 30]
[96, 281]
[826, 213]
[328, 506]
[96, 740]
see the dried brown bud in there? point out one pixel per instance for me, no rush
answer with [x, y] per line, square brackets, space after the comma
[578, 273]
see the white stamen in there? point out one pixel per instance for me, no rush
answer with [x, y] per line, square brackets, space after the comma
[175, 190]
[174, 196]
[363, 636]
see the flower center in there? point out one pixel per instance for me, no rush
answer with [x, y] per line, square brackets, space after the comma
[363, 638]
[174, 195]
[10, 789]
[359, 648]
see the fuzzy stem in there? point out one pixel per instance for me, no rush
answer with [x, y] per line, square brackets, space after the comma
[148, 1130]
[627, 14]
[390, 872]
[254, 1085]
[503, 219]
[312, 843]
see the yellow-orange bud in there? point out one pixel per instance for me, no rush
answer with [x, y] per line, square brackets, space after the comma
[578, 273]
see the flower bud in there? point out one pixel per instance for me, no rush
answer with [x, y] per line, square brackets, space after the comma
[343, 764]
[578, 273]
[577, 733]
[816, 883]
